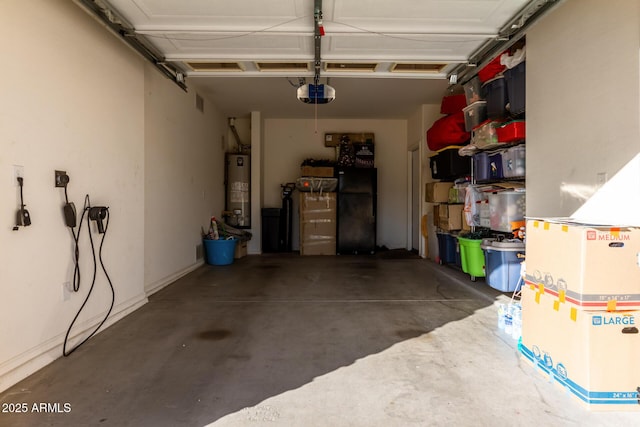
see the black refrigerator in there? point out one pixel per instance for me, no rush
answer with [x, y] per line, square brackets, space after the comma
[357, 199]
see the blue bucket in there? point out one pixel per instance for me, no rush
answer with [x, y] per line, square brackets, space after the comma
[220, 252]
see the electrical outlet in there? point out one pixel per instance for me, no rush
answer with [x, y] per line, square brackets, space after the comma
[61, 178]
[18, 172]
[66, 291]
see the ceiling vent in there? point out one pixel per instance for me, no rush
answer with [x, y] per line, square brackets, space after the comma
[215, 66]
[282, 66]
[417, 68]
[350, 66]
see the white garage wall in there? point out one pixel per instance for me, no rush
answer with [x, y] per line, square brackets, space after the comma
[184, 177]
[287, 142]
[75, 98]
[72, 99]
[582, 101]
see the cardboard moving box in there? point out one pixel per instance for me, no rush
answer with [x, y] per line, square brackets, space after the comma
[333, 139]
[450, 217]
[317, 171]
[241, 249]
[318, 223]
[595, 355]
[593, 267]
[437, 192]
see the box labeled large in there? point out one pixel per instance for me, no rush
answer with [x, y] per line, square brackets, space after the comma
[593, 267]
[317, 223]
[593, 354]
[437, 192]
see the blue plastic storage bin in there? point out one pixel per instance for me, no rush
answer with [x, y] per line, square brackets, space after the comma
[502, 265]
[516, 88]
[481, 166]
[495, 166]
[446, 248]
[496, 94]
[220, 252]
[458, 253]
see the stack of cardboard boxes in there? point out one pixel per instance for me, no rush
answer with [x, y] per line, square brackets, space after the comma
[448, 214]
[581, 310]
[318, 213]
[318, 223]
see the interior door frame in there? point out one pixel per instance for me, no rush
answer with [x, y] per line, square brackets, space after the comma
[413, 149]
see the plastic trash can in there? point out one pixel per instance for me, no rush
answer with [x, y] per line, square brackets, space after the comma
[271, 229]
[472, 257]
[220, 252]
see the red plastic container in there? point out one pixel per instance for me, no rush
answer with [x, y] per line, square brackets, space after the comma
[491, 70]
[513, 131]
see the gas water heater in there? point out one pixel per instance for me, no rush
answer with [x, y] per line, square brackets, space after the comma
[237, 189]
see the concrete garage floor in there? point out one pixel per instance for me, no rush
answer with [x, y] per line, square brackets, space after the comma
[284, 340]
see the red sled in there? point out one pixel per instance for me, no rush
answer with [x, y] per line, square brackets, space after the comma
[446, 131]
[451, 104]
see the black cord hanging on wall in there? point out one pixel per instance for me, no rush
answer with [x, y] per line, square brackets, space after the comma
[99, 214]
[23, 218]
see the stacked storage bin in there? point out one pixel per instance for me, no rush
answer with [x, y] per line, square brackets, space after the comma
[581, 310]
[447, 217]
[503, 91]
[446, 137]
[507, 210]
[495, 117]
[448, 165]
[318, 223]
[503, 263]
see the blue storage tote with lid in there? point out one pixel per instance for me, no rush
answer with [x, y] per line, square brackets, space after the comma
[516, 88]
[447, 248]
[496, 96]
[495, 165]
[513, 162]
[502, 264]
[488, 166]
[481, 166]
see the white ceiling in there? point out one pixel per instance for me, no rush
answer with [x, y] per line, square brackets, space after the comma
[381, 33]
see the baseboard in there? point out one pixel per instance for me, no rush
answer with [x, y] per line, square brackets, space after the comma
[162, 283]
[21, 366]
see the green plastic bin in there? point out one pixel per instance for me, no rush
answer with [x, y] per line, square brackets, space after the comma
[472, 257]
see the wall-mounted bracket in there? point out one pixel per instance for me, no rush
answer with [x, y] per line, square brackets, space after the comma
[62, 179]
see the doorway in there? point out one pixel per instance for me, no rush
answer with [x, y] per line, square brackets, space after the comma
[415, 200]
